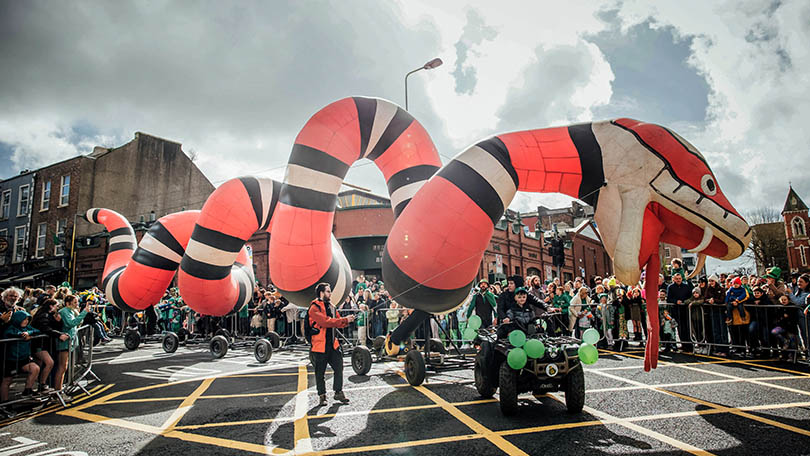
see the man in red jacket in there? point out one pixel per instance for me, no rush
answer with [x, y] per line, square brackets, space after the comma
[325, 346]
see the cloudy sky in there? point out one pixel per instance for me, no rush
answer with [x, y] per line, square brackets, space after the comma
[234, 82]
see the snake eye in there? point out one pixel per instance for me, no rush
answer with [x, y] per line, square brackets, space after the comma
[707, 185]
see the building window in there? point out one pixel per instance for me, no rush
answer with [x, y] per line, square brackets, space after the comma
[803, 254]
[46, 196]
[3, 256]
[5, 205]
[517, 270]
[20, 233]
[64, 195]
[667, 253]
[798, 227]
[59, 249]
[23, 202]
[42, 230]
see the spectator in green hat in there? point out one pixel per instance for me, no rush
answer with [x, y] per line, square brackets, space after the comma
[776, 288]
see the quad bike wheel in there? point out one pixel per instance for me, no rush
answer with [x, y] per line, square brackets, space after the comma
[507, 382]
[575, 390]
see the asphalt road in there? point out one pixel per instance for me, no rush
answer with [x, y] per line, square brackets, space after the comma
[150, 403]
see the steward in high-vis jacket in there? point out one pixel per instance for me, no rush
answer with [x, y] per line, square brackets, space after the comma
[325, 346]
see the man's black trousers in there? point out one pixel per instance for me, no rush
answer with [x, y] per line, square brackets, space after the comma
[334, 358]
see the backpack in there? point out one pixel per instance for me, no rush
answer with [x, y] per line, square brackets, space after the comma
[309, 330]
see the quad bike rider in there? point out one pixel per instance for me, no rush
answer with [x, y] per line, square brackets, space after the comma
[542, 363]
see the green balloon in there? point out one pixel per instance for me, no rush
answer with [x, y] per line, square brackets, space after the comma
[590, 336]
[474, 322]
[469, 333]
[534, 348]
[517, 338]
[516, 358]
[588, 354]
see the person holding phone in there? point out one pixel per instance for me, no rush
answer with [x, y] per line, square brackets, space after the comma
[325, 346]
[10, 297]
[70, 317]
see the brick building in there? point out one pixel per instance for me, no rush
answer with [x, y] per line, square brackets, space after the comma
[563, 217]
[143, 180]
[796, 222]
[589, 256]
[515, 249]
[15, 223]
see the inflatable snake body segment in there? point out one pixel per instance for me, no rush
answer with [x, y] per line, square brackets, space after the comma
[647, 184]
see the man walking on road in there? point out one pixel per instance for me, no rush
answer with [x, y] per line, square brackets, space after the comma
[325, 346]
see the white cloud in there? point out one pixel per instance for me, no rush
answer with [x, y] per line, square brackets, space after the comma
[236, 82]
[754, 56]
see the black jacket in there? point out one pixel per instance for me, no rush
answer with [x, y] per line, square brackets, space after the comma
[46, 324]
[677, 292]
[506, 302]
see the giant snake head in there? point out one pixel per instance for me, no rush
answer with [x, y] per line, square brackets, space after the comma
[659, 188]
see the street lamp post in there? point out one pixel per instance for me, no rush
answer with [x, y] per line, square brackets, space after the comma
[427, 66]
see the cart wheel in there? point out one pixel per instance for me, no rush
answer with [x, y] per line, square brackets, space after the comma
[224, 333]
[262, 350]
[415, 367]
[170, 342]
[378, 343]
[218, 346]
[132, 339]
[274, 338]
[361, 360]
[485, 382]
[507, 382]
[437, 346]
[575, 390]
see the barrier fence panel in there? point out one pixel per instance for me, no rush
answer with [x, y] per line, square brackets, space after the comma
[20, 360]
[80, 361]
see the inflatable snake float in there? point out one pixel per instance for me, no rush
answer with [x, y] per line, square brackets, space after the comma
[646, 183]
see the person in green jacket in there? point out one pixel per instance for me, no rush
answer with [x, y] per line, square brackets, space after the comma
[70, 317]
[483, 304]
[361, 325]
[562, 301]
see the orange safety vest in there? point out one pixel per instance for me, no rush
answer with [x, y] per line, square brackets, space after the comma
[319, 340]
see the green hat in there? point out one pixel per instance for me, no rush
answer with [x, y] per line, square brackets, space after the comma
[521, 290]
[503, 282]
[774, 273]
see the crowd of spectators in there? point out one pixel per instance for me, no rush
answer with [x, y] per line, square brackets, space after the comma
[726, 314]
[39, 328]
[742, 315]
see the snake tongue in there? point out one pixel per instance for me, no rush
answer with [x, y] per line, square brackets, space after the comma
[648, 255]
[653, 268]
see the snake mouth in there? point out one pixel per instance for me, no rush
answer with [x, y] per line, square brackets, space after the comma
[696, 222]
[684, 233]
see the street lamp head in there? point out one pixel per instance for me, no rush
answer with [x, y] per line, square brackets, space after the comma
[433, 64]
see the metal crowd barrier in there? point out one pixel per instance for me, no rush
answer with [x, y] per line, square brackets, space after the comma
[80, 362]
[704, 327]
[79, 368]
[13, 373]
[757, 331]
